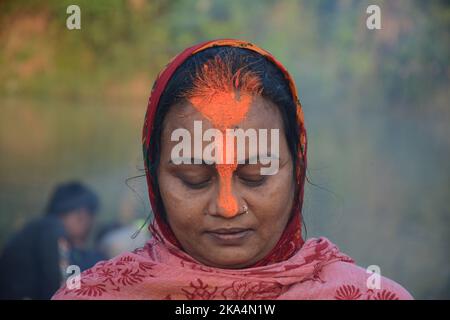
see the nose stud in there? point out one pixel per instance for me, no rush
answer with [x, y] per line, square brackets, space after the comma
[237, 213]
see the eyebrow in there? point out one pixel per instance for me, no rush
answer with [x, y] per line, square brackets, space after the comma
[252, 159]
[256, 157]
[189, 161]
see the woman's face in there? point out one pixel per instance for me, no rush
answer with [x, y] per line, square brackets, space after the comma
[190, 193]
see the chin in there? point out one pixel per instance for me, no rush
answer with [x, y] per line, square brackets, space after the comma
[231, 259]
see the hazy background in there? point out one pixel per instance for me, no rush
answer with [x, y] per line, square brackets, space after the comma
[376, 104]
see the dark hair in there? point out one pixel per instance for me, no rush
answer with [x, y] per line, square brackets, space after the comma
[71, 196]
[274, 85]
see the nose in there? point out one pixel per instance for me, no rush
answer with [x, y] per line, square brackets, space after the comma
[227, 211]
[225, 203]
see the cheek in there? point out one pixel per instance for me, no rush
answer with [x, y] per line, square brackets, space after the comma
[272, 204]
[184, 209]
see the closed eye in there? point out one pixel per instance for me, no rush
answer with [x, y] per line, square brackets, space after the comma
[253, 181]
[196, 185]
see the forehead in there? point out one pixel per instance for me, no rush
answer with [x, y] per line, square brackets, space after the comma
[262, 114]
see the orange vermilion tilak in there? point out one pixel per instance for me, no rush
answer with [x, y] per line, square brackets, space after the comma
[224, 98]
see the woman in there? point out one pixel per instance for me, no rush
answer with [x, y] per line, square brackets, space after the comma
[225, 225]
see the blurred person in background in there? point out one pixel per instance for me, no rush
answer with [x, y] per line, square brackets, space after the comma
[34, 261]
[116, 238]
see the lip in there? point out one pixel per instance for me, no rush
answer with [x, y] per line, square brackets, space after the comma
[229, 236]
[228, 230]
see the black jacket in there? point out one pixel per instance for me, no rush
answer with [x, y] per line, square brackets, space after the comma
[29, 263]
